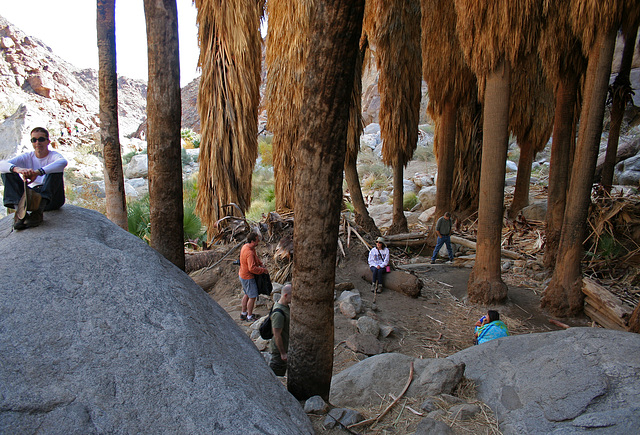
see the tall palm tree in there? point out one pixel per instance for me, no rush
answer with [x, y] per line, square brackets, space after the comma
[620, 95]
[530, 123]
[598, 23]
[286, 54]
[451, 84]
[228, 99]
[335, 26]
[163, 138]
[393, 27]
[564, 64]
[109, 135]
[493, 36]
[354, 131]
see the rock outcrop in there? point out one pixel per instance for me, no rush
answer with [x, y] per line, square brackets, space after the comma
[575, 381]
[31, 75]
[101, 334]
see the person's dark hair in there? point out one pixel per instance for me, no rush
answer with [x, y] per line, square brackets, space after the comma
[40, 130]
[493, 315]
[447, 214]
[252, 237]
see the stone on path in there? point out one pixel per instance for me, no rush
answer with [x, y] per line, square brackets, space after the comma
[362, 384]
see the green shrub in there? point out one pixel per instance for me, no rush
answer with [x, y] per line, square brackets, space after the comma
[409, 200]
[138, 218]
[191, 223]
[190, 137]
[127, 157]
[609, 248]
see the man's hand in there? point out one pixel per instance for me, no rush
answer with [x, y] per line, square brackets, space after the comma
[283, 356]
[28, 174]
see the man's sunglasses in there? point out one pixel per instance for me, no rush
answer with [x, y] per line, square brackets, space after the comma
[38, 139]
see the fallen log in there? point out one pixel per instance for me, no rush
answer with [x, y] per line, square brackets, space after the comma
[405, 236]
[602, 319]
[396, 280]
[472, 245]
[200, 259]
[408, 242]
[606, 303]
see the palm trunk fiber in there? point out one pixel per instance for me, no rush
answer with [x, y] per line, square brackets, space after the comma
[485, 282]
[566, 95]
[446, 159]
[335, 28]
[163, 138]
[109, 135]
[621, 89]
[523, 180]
[399, 224]
[563, 296]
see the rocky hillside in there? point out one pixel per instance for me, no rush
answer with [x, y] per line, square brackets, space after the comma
[38, 87]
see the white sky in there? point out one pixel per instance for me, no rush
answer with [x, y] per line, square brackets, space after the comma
[69, 28]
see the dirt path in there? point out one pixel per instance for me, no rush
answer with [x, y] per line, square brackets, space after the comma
[436, 324]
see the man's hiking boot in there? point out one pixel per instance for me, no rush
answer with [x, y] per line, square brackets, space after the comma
[18, 223]
[373, 287]
[379, 288]
[252, 317]
[34, 219]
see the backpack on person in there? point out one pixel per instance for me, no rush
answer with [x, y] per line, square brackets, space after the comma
[266, 332]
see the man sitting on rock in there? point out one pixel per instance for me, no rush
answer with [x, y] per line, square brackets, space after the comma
[40, 172]
[279, 345]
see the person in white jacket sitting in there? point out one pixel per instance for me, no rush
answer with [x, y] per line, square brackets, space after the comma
[43, 169]
[378, 262]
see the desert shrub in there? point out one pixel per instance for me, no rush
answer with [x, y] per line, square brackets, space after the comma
[424, 153]
[191, 223]
[138, 218]
[409, 200]
[190, 137]
[127, 157]
[265, 150]
[139, 224]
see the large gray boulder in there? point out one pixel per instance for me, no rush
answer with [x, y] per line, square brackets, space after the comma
[364, 383]
[101, 334]
[575, 381]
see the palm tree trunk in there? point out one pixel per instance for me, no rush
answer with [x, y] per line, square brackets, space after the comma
[563, 137]
[634, 320]
[353, 183]
[621, 91]
[563, 296]
[335, 28]
[523, 179]
[468, 156]
[446, 158]
[109, 135]
[399, 224]
[485, 282]
[163, 138]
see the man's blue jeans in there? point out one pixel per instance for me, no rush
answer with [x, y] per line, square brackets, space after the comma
[52, 189]
[444, 240]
